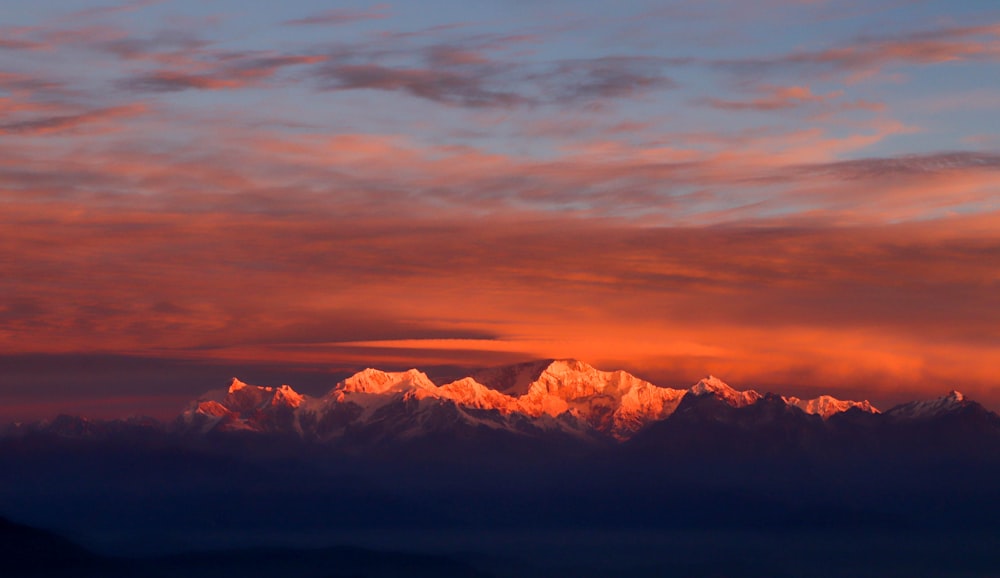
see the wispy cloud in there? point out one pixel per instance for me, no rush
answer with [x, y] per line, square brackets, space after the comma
[849, 302]
[774, 98]
[475, 71]
[911, 165]
[16, 44]
[111, 10]
[461, 77]
[228, 71]
[342, 16]
[756, 213]
[20, 38]
[37, 125]
[606, 78]
[444, 86]
[866, 54]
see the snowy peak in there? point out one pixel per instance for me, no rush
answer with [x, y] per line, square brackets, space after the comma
[243, 407]
[380, 382]
[570, 379]
[236, 385]
[712, 385]
[287, 396]
[212, 409]
[954, 401]
[612, 402]
[467, 392]
[243, 397]
[826, 406]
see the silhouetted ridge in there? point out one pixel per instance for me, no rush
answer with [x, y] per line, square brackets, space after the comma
[30, 552]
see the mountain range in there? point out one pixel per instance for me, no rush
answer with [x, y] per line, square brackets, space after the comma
[527, 452]
[555, 398]
[565, 396]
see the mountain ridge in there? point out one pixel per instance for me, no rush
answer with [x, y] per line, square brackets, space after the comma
[565, 397]
[396, 450]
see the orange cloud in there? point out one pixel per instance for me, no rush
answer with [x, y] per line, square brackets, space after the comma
[905, 306]
[527, 216]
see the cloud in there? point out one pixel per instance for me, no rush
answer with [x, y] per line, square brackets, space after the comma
[777, 98]
[16, 44]
[225, 72]
[456, 75]
[66, 122]
[866, 54]
[15, 38]
[104, 11]
[461, 73]
[455, 67]
[922, 47]
[909, 165]
[342, 16]
[471, 72]
[606, 78]
[446, 87]
[52, 38]
[292, 249]
[900, 301]
[168, 47]
[524, 216]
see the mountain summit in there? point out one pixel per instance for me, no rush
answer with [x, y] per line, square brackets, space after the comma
[950, 403]
[714, 386]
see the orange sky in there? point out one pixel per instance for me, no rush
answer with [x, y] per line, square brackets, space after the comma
[887, 311]
[805, 214]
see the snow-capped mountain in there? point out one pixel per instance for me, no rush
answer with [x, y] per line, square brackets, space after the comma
[373, 381]
[714, 386]
[378, 404]
[557, 444]
[826, 406]
[617, 403]
[243, 407]
[565, 396]
[916, 410]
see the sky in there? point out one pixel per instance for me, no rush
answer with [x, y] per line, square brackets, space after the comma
[800, 196]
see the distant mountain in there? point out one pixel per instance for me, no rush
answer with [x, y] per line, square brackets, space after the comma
[826, 406]
[532, 399]
[532, 411]
[556, 445]
[244, 407]
[952, 403]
